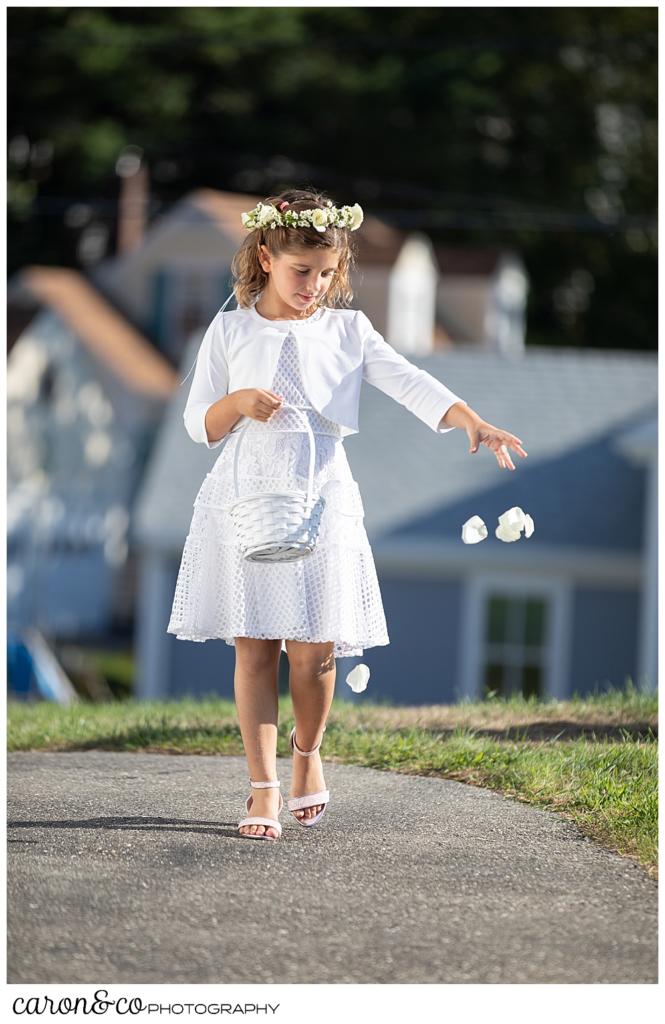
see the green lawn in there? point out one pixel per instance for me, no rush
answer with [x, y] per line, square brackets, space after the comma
[592, 760]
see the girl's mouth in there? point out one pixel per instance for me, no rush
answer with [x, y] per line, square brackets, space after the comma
[305, 298]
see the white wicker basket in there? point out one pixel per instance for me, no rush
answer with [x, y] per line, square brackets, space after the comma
[277, 526]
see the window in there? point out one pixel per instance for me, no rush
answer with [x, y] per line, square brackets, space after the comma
[514, 650]
[516, 635]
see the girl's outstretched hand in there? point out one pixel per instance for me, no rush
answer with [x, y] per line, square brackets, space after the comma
[497, 439]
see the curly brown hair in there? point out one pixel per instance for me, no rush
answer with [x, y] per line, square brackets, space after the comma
[249, 278]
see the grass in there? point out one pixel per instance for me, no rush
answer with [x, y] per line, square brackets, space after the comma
[592, 760]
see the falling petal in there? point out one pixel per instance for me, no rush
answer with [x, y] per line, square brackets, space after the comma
[474, 530]
[357, 678]
[512, 522]
[513, 518]
[504, 533]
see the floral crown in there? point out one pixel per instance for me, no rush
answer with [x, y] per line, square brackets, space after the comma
[265, 215]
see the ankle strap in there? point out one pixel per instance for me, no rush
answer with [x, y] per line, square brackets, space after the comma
[306, 753]
[265, 785]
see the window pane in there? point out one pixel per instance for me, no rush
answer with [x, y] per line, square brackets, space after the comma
[497, 619]
[494, 679]
[534, 622]
[531, 680]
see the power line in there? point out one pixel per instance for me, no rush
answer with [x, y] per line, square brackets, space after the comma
[516, 219]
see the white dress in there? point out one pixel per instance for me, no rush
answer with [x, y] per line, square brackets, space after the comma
[331, 594]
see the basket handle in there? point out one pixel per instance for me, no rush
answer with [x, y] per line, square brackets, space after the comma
[310, 433]
[232, 295]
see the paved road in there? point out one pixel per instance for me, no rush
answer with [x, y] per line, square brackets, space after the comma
[126, 868]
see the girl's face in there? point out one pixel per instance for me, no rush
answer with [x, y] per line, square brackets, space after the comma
[299, 279]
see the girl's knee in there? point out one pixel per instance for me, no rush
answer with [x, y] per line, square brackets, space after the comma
[256, 653]
[314, 659]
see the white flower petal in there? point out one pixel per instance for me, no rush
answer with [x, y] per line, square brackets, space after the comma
[474, 530]
[528, 525]
[512, 518]
[504, 533]
[357, 678]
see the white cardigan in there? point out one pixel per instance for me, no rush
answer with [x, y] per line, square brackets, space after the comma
[338, 349]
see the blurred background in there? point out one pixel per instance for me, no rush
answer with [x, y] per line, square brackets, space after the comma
[506, 163]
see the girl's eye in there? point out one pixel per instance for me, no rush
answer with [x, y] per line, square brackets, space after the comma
[305, 272]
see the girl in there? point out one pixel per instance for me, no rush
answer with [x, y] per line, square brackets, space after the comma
[294, 341]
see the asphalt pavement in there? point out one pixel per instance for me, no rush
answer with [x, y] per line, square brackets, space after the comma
[128, 868]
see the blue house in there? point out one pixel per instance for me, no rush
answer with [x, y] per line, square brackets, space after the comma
[572, 609]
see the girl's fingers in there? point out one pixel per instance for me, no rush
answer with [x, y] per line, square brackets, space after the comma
[499, 443]
[506, 461]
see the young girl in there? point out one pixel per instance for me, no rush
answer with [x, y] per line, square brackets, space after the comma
[293, 341]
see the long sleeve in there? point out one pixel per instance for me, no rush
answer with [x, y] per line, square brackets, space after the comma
[209, 384]
[416, 389]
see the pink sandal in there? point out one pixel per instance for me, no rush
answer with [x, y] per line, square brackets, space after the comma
[310, 799]
[269, 822]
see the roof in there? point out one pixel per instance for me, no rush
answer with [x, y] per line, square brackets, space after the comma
[565, 404]
[104, 331]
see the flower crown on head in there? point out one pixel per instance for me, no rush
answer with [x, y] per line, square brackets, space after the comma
[265, 215]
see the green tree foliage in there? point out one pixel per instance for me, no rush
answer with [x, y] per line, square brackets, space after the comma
[530, 128]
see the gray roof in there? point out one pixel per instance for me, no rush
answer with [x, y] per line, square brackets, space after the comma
[566, 404]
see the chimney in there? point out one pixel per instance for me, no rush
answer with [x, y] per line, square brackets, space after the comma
[133, 202]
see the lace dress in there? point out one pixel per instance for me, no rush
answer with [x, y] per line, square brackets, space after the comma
[331, 594]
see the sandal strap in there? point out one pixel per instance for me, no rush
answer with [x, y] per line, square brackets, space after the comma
[309, 800]
[305, 753]
[250, 800]
[265, 785]
[261, 821]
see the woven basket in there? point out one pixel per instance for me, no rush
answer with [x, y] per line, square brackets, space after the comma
[277, 526]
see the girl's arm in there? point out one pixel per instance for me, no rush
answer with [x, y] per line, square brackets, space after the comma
[428, 398]
[209, 390]
[416, 389]
[220, 417]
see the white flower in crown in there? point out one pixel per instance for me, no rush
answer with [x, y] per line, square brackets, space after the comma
[266, 213]
[356, 216]
[320, 219]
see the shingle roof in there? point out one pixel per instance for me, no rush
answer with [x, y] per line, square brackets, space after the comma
[104, 331]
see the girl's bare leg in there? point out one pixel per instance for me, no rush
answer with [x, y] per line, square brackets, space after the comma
[256, 690]
[312, 671]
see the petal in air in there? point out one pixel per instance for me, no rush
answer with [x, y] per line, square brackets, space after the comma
[357, 678]
[505, 533]
[511, 524]
[474, 530]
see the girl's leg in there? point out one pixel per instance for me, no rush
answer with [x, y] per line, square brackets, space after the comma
[312, 671]
[256, 692]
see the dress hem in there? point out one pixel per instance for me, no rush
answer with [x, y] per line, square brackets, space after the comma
[355, 650]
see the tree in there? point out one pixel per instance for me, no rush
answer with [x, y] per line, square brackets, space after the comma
[528, 127]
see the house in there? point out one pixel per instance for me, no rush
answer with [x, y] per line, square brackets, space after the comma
[85, 394]
[568, 610]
